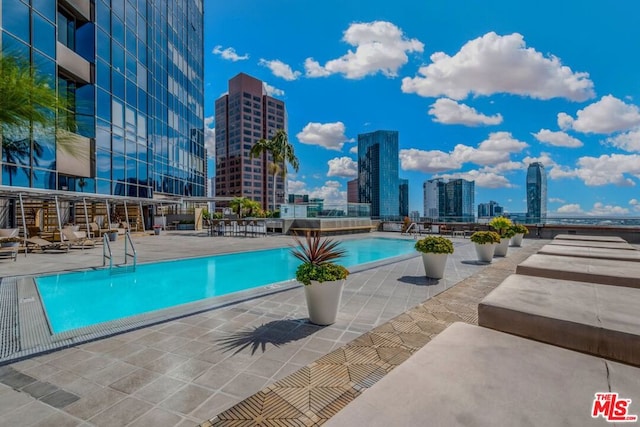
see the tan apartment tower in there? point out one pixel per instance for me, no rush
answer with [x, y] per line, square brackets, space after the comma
[244, 116]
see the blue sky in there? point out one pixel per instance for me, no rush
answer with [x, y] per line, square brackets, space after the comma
[476, 89]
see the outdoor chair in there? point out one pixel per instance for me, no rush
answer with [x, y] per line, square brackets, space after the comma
[76, 238]
[260, 229]
[11, 252]
[40, 244]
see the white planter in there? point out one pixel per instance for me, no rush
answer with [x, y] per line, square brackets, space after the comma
[517, 240]
[434, 265]
[485, 252]
[502, 247]
[323, 301]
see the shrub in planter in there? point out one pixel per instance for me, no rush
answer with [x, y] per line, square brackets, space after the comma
[503, 226]
[435, 250]
[485, 242]
[10, 241]
[519, 231]
[323, 280]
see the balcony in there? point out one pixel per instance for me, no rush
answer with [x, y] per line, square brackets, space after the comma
[75, 65]
[81, 8]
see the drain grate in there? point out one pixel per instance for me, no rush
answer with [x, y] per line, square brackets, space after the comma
[9, 338]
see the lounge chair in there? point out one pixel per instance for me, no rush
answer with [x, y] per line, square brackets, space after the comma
[78, 239]
[42, 245]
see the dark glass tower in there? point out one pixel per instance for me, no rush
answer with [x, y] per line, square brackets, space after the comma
[404, 197]
[132, 72]
[378, 182]
[456, 200]
[536, 193]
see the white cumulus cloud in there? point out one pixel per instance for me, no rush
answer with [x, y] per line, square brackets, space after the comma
[635, 205]
[556, 200]
[330, 191]
[448, 111]
[628, 141]
[229, 54]
[209, 137]
[572, 208]
[557, 139]
[609, 169]
[607, 115]
[328, 135]
[344, 167]
[380, 46]
[280, 69]
[600, 209]
[272, 90]
[498, 64]
[495, 152]
[482, 178]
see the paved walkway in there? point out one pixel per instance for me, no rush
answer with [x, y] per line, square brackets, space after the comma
[188, 370]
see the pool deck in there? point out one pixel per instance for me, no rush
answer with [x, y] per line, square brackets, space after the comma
[191, 369]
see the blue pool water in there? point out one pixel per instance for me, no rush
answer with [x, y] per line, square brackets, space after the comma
[75, 300]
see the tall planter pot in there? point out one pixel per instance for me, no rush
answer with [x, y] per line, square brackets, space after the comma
[323, 301]
[517, 240]
[485, 252]
[502, 247]
[434, 265]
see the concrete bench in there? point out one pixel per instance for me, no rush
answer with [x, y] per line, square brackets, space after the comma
[596, 319]
[473, 376]
[592, 270]
[590, 238]
[587, 244]
[590, 252]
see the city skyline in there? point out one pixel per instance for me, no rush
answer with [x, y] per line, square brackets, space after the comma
[478, 92]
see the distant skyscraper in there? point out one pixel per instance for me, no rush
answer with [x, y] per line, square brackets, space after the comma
[378, 172]
[489, 210]
[456, 200]
[403, 190]
[431, 199]
[536, 193]
[352, 191]
[244, 116]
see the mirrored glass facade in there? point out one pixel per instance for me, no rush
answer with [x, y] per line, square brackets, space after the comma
[132, 72]
[378, 182]
[536, 193]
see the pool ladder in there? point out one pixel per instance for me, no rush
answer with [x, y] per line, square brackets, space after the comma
[128, 244]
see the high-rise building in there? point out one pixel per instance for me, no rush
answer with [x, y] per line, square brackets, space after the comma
[403, 191]
[456, 200]
[489, 210]
[244, 116]
[352, 191]
[536, 193]
[378, 173]
[132, 77]
[430, 190]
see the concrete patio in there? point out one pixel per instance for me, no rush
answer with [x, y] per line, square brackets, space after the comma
[188, 370]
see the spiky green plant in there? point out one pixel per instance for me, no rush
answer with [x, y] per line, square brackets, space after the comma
[317, 255]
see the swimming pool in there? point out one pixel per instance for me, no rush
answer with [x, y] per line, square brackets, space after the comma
[80, 299]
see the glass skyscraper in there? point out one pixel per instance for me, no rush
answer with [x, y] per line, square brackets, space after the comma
[536, 193]
[132, 74]
[404, 197]
[378, 182]
[456, 200]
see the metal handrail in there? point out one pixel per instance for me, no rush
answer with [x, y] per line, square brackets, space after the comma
[106, 246]
[127, 242]
[407, 231]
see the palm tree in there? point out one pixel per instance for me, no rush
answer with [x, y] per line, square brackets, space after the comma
[281, 151]
[29, 99]
[237, 204]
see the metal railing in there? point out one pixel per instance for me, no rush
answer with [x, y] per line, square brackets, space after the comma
[106, 247]
[129, 243]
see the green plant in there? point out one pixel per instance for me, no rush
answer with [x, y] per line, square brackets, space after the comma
[485, 237]
[317, 255]
[14, 239]
[434, 245]
[502, 225]
[520, 229]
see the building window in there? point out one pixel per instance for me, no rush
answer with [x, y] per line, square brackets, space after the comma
[67, 29]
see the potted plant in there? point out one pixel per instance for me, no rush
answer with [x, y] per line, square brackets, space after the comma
[323, 280]
[113, 235]
[10, 241]
[156, 229]
[519, 230]
[435, 250]
[502, 226]
[485, 242]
